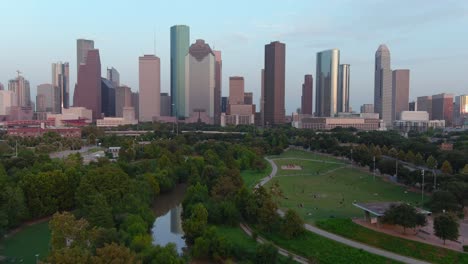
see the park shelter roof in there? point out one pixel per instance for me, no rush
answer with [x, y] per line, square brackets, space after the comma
[379, 208]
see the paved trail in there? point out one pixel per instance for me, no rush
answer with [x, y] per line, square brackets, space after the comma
[340, 239]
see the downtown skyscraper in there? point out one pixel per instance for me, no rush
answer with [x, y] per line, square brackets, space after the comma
[180, 41]
[273, 96]
[400, 86]
[61, 83]
[150, 88]
[343, 88]
[307, 95]
[82, 48]
[88, 87]
[383, 88]
[326, 98]
[218, 86]
[20, 86]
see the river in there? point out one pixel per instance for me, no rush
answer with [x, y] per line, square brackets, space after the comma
[167, 227]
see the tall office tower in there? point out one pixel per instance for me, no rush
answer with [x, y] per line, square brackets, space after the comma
[88, 88]
[224, 104]
[150, 87]
[262, 97]
[20, 87]
[136, 104]
[107, 97]
[180, 41]
[412, 106]
[61, 82]
[45, 98]
[2, 87]
[424, 103]
[200, 79]
[236, 90]
[442, 108]
[82, 48]
[274, 83]
[460, 110]
[383, 89]
[343, 88]
[367, 108]
[7, 100]
[114, 76]
[307, 95]
[400, 83]
[248, 98]
[123, 98]
[165, 104]
[326, 88]
[218, 86]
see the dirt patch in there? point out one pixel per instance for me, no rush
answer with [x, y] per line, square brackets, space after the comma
[291, 167]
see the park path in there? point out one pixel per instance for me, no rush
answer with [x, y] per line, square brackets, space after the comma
[282, 251]
[341, 239]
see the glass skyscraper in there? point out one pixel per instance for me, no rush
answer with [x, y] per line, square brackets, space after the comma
[180, 41]
[343, 88]
[383, 89]
[326, 99]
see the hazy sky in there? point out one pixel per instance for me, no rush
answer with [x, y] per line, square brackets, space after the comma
[429, 37]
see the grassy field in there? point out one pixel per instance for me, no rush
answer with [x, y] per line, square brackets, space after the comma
[433, 254]
[24, 245]
[252, 177]
[324, 250]
[324, 190]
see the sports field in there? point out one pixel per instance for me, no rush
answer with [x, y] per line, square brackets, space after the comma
[327, 187]
[23, 246]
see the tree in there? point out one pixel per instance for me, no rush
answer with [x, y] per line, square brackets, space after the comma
[410, 157]
[196, 224]
[393, 153]
[292, 225]
[446, 227]
[67, 232]
[404, 215]
[465, 169]
[431, 162]
[98, 212]
[266, 253]
[419, 160]
[443, 200]
[113, 253]
[446, 167]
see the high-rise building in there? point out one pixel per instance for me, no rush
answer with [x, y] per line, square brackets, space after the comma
[218, 86]
[224, 104]
[248, 98]
[165, 104]
[88, 88]
[45, 98]
[326, 88]
[383, 89]
[7, 100]
[461, 110]
[20, 87]
[61, 83]
[82, 48]
[424, 103]
[442, 108]
[2, 87]
[150, 87]
[236, 90]
[274, 83]
[262, 97]
[343, 88]
[412, 106]
[123, 98]
[136, 104]
[400, 83]
[180, 41]
[114, 76]
[307, 95]
[200, 79]
[367, 108]
[107, 98]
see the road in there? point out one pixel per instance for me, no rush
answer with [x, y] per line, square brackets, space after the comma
[341, 239]
[84, 151]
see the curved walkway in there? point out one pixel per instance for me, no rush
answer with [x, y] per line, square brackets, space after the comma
[340, 239]
[281, 251]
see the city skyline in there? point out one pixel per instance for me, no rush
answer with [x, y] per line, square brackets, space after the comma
[422, 53]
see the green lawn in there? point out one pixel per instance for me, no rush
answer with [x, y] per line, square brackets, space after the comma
[346, 228]
[294, 153]
[327, 190]
[25, 244]
[324, 250]
[252, 177]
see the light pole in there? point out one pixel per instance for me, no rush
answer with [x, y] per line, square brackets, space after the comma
[37, 258]
[422, 189]
[373, 159]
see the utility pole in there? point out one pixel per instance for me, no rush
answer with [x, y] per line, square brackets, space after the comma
[422, 189]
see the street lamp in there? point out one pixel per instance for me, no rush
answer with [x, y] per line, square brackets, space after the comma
[37, 258]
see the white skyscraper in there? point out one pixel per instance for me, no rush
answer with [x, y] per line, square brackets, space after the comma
[150, 87]
[383, 90]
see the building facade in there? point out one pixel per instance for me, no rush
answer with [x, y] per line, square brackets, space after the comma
[329, 123]
[7, 100]
[113, 76]
[383, 89]
[82, 48]
[165, 104]
[123, 98]
[424, 103]
[107, 97]
[20, 86]
[400, 82]
[61, 83]
[307, 95]
[180, 41]
[136, 104]
[218, 86]
[326, 88]
[442, 108]
[45, 98]
[88, 88]
[150, 88]
[461, 111]
[367, 108]
[416, 121]
[200, 80]
[236, 90]
[343, 88]
[248, 98]
[274, 83]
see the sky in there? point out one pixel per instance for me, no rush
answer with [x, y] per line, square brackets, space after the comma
[429, 37]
